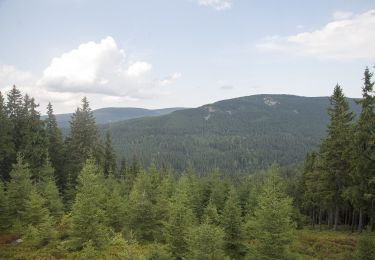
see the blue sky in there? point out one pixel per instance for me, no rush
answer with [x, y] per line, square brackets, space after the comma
[165, 53]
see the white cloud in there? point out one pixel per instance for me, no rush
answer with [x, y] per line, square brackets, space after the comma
[341, 15]
[138, 68]
[219, 5]
[100, 71]
[345, 39]
[170, 79]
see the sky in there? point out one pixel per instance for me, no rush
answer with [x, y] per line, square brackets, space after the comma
[182, 53]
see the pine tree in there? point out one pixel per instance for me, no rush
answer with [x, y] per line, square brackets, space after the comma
[335, 151]
[56, 149]
[19, 189]
[109, 156]
[231, 222]
[83, 140]
[40, 231]
[33, 139]
[141, 210]
[210, 214]
[180, 220]
[115, 205]
[363, 160]
[53, 201]
[16, 115]
[272, 225]
[206, 241]
[88, 216]
[7, 152]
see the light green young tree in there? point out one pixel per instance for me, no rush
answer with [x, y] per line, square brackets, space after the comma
[272, 226]
[88, 220]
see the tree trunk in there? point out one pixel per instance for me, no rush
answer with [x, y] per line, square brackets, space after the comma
[313, 218]
[360, 220]
[353, 220]
[337, 211]
[320, 219]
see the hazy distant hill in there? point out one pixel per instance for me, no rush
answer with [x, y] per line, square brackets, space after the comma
[114, 114]
[235, 135]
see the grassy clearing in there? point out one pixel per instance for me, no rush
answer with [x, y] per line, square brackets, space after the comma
[313, 244]
[309, 244]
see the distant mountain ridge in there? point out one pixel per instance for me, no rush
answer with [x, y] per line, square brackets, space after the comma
[114, 114]
[239, 134]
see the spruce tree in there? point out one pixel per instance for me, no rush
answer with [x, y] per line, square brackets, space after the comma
[7, 152]
[19, 189]
[88, 219]
[109, 159]
[363, 159]
[56, 149]
[40, 231]
[141, 210]
[272, 226]
[206, 242]
[335, 151]
[83, 140]
[231, 222]
[34, 142]
[180, 220]
[16, 115]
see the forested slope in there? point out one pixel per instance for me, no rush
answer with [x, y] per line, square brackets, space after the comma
[235, 135]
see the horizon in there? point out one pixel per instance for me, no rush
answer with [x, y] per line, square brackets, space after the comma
[153, 55]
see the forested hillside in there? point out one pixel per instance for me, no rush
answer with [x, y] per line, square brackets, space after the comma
[114, 114]
[235, 135]
[67, 198]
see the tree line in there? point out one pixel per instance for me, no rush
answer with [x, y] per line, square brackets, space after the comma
[337, 186]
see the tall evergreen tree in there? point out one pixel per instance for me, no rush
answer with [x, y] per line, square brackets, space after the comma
[109, 159]
[180, 220]
[83, 139]
[141, 210]
[231, 222]
[16, 115]
[335, 151]
[56, 149]
[363, 160]
[7, 149]
[33, 140]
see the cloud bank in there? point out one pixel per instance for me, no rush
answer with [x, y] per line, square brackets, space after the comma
[100, 69]
[347, 37]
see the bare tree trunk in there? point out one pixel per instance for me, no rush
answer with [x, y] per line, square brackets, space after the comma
[337, 211]
[360, 220]
[313, 218]
[353, 220]
[320, 218]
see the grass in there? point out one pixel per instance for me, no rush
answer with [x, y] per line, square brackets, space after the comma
[314, 244]
[309, 244]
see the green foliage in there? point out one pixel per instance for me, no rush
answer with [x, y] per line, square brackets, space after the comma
[56, 148]
[272, 227]
[52, 198]
[180, 219]
[231, 222]
[366, 246]
[19, 189]
[88, 220]
[240, 135]
[206, 241]
[4, 209]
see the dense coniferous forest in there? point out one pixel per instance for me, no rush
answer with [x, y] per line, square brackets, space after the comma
[236, 135]
[69, 198]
